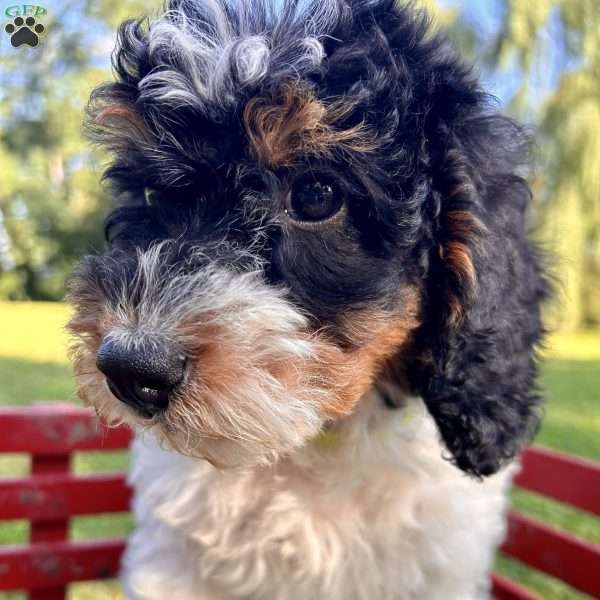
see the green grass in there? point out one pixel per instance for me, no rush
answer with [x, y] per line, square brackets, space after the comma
[34, 368]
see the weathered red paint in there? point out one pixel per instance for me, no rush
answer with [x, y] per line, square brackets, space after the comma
[52, 565]
[57, 429]
[55, 497]
[565, 478]
[559, 554]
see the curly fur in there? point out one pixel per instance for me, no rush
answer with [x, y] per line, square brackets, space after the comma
[405, 526]
[423, 285]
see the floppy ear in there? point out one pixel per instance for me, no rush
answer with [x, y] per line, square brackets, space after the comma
[476, 364]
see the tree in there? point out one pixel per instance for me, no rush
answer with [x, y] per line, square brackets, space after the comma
[51, 206]
[562, 38]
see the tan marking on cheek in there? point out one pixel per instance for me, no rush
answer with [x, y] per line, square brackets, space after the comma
[221, 364]
[218, 365]
[357, 371]
[297, 123]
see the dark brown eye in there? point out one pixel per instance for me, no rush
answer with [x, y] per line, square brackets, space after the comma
[314, 200]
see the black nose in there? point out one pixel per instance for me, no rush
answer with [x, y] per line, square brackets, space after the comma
[143, 374]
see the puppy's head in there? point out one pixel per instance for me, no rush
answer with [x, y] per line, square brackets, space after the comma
[312, 199]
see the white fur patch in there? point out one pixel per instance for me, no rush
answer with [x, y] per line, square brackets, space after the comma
[203, 54]
[379, 516]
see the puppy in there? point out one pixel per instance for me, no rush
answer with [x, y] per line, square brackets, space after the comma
[318, 307]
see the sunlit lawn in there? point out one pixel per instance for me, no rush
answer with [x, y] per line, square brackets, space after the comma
[34, 368]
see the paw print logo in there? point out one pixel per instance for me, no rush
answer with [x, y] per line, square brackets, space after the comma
[24, 31]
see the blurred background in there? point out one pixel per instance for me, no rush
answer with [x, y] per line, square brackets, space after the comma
[540, 59]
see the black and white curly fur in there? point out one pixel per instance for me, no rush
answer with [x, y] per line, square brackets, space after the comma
[318, 304]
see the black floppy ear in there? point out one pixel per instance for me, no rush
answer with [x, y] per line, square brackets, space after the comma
[476, 364]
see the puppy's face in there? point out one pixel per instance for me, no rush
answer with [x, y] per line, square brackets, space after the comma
[279, 245]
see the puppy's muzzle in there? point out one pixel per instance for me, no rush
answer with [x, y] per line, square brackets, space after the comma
[143, 375]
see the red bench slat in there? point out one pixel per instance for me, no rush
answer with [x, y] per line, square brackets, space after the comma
[505, 589]
[52, 497]
[564, 556]
[51, 565]
[57, 429]
[565, 478]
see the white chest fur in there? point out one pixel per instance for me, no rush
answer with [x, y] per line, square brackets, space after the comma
[370, 511]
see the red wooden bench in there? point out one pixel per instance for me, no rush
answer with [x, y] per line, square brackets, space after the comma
[52, 494]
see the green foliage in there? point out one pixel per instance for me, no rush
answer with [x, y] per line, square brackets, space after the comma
[49, 200]
[115, 12]
[51, 206]
[564, 35]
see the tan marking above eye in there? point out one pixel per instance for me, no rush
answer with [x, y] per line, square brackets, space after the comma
[296, 123]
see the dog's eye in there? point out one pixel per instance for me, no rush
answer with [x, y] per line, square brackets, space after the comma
[314, 200]
[150, 196]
